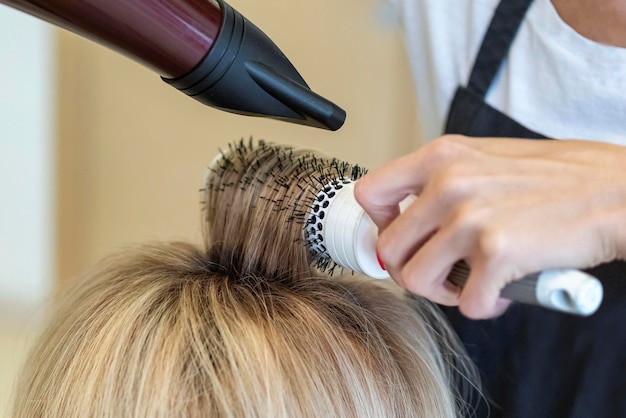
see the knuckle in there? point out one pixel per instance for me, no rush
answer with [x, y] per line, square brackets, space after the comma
[363, 192]
[442, 148]
[492, 244]
[467, 218]
[473, 309]
[451, 183]
[420, 282]
[449, 145]
[413, 284]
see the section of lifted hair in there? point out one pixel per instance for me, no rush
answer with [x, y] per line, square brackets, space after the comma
[290, 181]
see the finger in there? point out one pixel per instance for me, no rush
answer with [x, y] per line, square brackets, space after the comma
[437, 289]
[407, 233]
[380, 191]
[480, 297]
[501, 306]
[426, 273]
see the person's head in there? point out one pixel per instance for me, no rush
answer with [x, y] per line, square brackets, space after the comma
[242, 328]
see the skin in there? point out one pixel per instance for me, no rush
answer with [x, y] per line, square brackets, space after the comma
[508, 207]
[601, 21]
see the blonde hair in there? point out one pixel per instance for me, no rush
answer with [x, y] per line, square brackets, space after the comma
[243, 327]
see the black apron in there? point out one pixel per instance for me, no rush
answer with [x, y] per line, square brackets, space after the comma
[535, 362]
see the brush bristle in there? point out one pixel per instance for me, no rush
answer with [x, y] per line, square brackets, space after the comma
[289, 180]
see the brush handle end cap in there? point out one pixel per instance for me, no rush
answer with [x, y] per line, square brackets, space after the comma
[570, 291]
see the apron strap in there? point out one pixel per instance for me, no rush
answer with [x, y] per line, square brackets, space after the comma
[504, 24]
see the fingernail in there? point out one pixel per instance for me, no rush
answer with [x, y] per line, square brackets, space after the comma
[380, 262]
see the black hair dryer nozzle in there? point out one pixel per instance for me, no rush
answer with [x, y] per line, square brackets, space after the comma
[244, 72]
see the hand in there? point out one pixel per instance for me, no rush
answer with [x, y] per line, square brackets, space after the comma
[508, 207]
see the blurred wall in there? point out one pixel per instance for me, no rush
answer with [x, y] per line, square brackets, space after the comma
[26, 162]
[27, 215]
[132, 150]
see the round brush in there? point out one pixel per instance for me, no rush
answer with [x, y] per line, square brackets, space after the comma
[319, 194]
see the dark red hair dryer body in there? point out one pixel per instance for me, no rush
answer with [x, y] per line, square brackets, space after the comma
[204, 48]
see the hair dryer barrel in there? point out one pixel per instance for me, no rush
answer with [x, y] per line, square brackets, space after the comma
[170, 37]
[205, 48]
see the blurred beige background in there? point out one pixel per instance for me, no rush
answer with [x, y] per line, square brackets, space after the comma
[131, 151]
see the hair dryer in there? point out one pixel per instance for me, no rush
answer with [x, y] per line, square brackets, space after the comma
[204, 48]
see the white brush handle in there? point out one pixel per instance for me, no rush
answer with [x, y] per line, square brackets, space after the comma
[349, 237]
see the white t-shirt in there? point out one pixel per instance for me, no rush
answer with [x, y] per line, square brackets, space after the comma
[555, 81]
